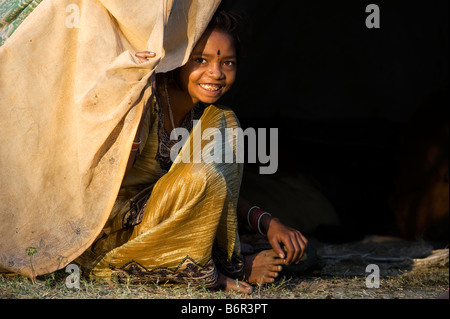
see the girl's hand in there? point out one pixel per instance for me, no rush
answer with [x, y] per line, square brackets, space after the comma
[145, 55]
[293, 241]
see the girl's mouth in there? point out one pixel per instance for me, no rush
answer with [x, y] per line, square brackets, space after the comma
[211, 87]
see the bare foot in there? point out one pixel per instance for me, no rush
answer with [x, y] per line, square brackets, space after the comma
[228, 284]
[263, 268]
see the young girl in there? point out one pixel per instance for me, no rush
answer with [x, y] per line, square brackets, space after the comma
[176, 221]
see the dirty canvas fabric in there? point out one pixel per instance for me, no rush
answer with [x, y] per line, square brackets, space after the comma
[71, 97]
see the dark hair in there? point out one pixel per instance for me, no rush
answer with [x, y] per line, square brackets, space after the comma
[227, 22]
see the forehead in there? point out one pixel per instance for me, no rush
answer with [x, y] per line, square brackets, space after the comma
[213, 41]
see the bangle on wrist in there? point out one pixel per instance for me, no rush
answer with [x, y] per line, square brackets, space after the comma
[248, 214]
[259, 222]
[255, 215]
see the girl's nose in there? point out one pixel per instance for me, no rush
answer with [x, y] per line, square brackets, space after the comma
[215, 71]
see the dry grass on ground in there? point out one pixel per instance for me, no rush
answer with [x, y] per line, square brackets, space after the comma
[408, 271]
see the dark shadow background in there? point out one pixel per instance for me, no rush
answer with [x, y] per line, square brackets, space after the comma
[340, 93]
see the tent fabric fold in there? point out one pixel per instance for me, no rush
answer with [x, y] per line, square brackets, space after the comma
[71, 98]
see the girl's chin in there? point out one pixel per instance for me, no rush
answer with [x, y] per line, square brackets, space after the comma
[209, 101]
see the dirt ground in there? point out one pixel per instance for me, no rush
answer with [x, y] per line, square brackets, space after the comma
[408, 270]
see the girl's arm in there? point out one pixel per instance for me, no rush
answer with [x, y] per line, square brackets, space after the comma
[277, 233]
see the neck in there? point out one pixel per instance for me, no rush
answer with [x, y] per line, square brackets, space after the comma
[179, 103]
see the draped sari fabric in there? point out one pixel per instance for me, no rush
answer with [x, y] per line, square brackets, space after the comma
[71, 98]
[178, 226]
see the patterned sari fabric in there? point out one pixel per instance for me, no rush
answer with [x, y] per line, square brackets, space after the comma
[12, 14]
[178, 226]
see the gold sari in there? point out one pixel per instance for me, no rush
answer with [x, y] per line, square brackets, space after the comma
[178, 226]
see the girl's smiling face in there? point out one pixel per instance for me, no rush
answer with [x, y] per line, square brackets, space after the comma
[211, 69]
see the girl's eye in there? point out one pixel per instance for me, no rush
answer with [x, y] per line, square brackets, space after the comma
[200, 60]
[229, 63]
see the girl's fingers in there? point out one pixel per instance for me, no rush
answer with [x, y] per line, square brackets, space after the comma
[297, 248]
[295, 245]
[290, 250]
[277, 248]
[301, 249]
[304, 244]
[145, 55]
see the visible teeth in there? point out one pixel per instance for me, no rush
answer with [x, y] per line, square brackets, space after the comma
[210, 87]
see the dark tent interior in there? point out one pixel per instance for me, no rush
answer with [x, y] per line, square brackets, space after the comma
[347, 99]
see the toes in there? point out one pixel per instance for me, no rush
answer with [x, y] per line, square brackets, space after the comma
[279, 261]
[273, 274]
[275, 268]
[245, 287]
[271, 253]
[268, 278]
[229, 284]
[241, 287]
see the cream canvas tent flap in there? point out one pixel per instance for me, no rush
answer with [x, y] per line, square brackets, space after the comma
[71, 96]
